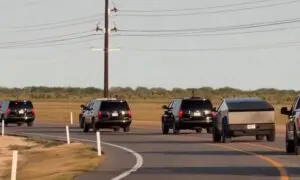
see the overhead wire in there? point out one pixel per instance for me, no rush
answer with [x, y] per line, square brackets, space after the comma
[198, 8]
[47, 41]
[237, 48]
[208, 12]
[216, 29]
[196, 34]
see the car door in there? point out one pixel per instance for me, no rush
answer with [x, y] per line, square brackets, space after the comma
[88, 112]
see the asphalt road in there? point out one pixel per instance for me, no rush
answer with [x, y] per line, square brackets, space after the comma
[184, 156]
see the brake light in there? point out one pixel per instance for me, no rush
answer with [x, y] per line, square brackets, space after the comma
[180, 114]
[129, 114]
[298, 121]
[99, 115]
[33, 110]
[8, 111]
[213, 113]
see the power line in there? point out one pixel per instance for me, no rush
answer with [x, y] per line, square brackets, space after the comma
[220, 28]
[45, 45]
[195, 34]
[239, 48]
[47, 42]
[84, 19]
[202, 8]
[45, 38]
[209, 12]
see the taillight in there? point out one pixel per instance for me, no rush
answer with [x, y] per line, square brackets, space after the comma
[33, 110]
[180, 114]
[213, 113]
[129, 114]
[99, 115]
[298, 121]
[8, 111]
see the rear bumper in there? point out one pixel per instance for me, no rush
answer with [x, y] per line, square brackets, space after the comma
[191, 124]
[19, 119]
[113, 123]
[241, 129]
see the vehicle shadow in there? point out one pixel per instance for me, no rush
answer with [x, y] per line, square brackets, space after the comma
[213, 152]
[261, 171]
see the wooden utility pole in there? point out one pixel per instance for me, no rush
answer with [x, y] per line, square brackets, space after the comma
[106, 48]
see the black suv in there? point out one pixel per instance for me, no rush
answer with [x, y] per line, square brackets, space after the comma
[192, 113]
[108, 113]
[17, 112]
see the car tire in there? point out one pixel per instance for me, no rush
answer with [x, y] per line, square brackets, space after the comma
[271, 136]
[81, 123]
[216, 135]
[29, 124]
[165, 128]
[176, 130]
[19, 123]
[259, 137]
[116, 129]
[126, 129]
[209, 130]
[290, 146]
[199, 130]
[86, 127]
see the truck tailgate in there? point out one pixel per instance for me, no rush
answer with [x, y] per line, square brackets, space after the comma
[251, 117]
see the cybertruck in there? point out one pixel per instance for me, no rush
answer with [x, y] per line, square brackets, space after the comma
[244, 117]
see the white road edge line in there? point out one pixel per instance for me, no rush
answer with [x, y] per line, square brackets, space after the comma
[139, 158]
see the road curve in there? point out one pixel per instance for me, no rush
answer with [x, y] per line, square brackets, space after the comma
[187, 155]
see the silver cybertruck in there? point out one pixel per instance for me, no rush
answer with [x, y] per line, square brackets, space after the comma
[244, 117]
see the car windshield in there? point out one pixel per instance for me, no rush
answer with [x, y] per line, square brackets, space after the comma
[20, 104]
[196, 104]
[114, 105]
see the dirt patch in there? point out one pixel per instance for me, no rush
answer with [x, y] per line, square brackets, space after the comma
[47, 159]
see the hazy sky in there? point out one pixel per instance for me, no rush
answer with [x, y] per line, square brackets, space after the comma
[72, 63]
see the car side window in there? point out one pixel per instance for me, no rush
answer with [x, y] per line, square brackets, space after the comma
[296, 104]
[170, 105]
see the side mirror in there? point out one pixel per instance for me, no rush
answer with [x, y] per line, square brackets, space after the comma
[82, 106]
[284, 111]
[165, 107]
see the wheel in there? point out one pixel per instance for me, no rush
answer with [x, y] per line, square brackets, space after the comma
[86, 127]
[81, 123]
[198, 130]
[19, 123]
[216, 135]
[175, 129]
[259, 137]
[116, 129]
[289, 146]
[126, 129]
[29, 124]
[209, 130]
[271, 137]
[297, 150]
[165, 129]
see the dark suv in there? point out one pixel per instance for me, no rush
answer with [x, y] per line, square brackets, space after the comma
[110, 113]
[192, 113]
[17, 112]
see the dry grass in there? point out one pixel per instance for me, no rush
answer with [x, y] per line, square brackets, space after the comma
[52, 160]
[59, 111]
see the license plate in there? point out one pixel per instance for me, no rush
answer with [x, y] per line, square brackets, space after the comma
[251, 126]
[114, 114]
[197, 114]
[21, 111]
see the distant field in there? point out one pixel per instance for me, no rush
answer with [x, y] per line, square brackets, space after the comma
[59, 110]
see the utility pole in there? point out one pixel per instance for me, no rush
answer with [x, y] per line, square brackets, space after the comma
[106, 48]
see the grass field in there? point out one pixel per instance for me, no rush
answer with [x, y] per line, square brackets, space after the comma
[48, 159]
[59, 110]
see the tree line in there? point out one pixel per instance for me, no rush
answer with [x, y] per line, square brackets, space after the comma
[272, 95]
